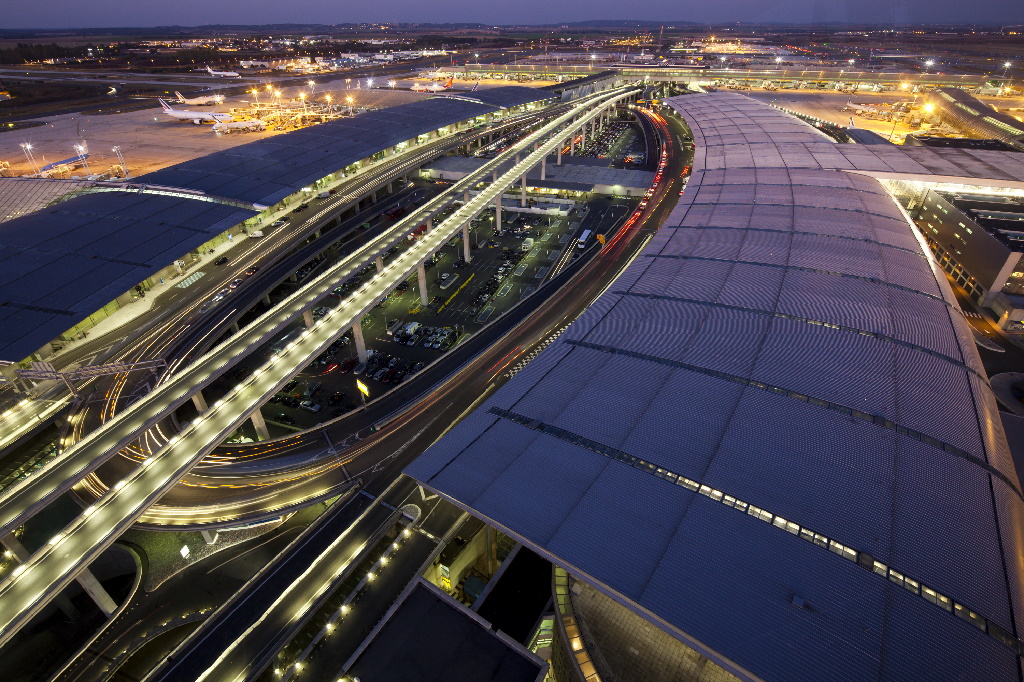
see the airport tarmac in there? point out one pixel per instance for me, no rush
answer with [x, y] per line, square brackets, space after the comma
[149, 140]
[828, 105]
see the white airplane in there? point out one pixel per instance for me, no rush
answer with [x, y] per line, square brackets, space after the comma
[223, 74]
[199, 101]
[196, 117]
[870, 108]
[433, 87]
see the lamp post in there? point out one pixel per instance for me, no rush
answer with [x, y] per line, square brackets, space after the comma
[120, 159]
[392, 83]
[312, 88]
[349, 100]
[83, 150]
[27, 148]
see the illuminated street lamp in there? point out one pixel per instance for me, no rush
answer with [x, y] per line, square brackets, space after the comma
[349, 100]
[312, 87]
[120, 159]
[328, 98]
[392, 83]
[27, 148]
[82, 152]
[302, 96]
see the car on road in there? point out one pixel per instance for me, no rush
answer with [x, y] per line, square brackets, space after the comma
[301, 208]
[219, 296]
[285, 419]
[289, 387]
[279, 223]
[252, 271]
[235, 283]
[347, 366]
[223, 260]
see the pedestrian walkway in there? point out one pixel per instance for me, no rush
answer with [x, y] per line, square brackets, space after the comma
[190, 280]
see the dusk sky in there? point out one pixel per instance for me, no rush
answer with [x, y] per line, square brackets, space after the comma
[104, 13]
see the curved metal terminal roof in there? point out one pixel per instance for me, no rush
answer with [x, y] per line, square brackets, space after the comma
[63, 263]
[503, 97]
[772, 435]
[268, 170]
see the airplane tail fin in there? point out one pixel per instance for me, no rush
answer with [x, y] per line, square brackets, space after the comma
[449, 83]
[164, 104]
[476, 86]
[180, 97]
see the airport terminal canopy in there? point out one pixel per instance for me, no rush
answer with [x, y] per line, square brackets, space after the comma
[504, 97]
[772, 436]
[63, 263]
[268, 170]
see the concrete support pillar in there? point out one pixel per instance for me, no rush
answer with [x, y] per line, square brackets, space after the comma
[266, 299]
[465, 197]
[235, 328]
[390, 188]
[465, 241]
[572, 145]
[421, 276]
[307, 317]
[357, 334]
[543, 168]
[260, 425]
[497, 214]
[373, 197]
[379, 261]
[559, 162]
[522, 192]
[86, 579]
[430, 223]
[199, 400]
[210, 536]
[99, 595]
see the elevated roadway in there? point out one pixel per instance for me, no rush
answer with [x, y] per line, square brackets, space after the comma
[50, 569]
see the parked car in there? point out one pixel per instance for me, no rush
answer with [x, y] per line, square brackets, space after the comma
[310, 406]
[221, 261]
[285, 419]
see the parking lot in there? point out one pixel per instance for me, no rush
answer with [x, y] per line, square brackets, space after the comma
[403, 336]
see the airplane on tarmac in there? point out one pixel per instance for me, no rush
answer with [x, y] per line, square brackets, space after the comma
[870, 108]
[196, 117]
[433, 87]
[199, 101]
[223, 74]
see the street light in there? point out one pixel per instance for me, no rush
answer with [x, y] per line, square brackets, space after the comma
[27, 148]
[369, 82]
[392, 83]
[82, 152]
[349, 100]
[120, 159]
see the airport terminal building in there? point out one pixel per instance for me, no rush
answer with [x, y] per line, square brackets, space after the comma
[73, 252]
[769, 451]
